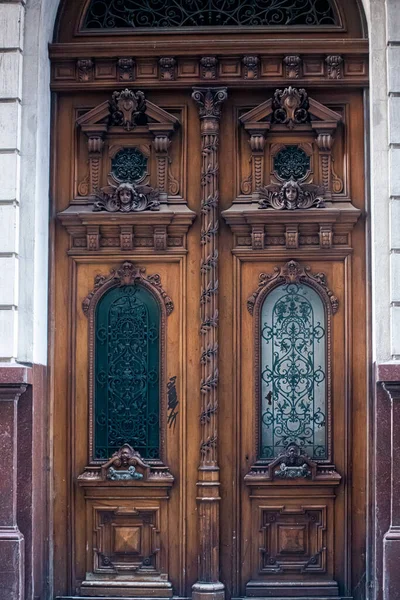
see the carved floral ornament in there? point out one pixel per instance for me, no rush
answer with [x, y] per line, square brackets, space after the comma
[293, 272]
[291, 195]
[127, 274]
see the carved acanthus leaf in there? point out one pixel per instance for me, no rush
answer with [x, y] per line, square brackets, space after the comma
[209, 101]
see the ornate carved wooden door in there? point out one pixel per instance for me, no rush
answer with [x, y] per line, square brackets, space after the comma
[209, 304]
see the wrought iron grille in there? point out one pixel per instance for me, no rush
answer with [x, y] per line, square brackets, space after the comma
[127, 363]
[293, 372]
[129, 165]
[163, 14]
[291, 163]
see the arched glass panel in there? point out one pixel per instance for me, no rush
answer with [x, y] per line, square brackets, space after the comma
[164, 14]
[293, 372]
[127, 363]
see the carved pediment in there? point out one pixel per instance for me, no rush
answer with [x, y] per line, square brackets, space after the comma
[290, 107]
[130, 104]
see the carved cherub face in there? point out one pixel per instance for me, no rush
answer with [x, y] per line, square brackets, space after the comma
[125, 456]
[291, 192]
[125, 194]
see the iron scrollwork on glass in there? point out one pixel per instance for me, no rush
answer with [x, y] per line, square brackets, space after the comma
[127, 313]
[291, 163]
[163, 14]
[129, 165]
[293, 368]
[293, 311]
[127, 359]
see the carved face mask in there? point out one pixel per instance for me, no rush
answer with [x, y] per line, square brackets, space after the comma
[125, 197]
[291, 193]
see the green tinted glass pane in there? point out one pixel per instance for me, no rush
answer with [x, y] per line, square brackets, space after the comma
[293, 372]
[127, 363]
[291, 163]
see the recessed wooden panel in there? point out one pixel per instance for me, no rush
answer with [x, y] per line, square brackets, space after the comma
[271, 67]
[229, 67]
[313, 66]
[64, 71]
[105, 69]
[146, 69]
[293, 540]
[355, 66]
[188, 68]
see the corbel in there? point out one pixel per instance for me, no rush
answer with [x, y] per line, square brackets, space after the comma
[335, 66]
[251, 67]
[325, 237]
[167, 68]
[325, 141]
[258, 237]
[95, 135]
[125, 69]
[93, 237]
[208, 67]
[161, 144]
[126, 237]
[292, 66]
[160, 238]
[292, 237]
[257, 132]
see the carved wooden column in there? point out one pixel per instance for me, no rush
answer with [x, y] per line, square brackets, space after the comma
[208, 585]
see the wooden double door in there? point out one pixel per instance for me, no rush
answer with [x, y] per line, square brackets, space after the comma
[209, 342]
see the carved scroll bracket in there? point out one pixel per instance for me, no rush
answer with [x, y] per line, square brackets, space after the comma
[96, 136]
[161, 144]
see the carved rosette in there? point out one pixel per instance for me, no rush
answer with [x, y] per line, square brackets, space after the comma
[209, 102]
